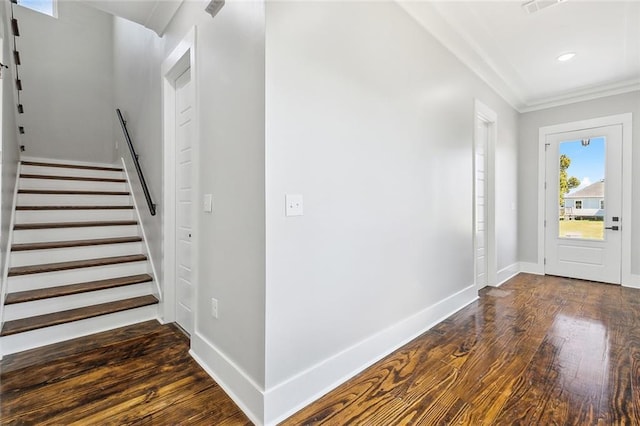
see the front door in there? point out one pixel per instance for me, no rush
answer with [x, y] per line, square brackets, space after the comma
[584, 204]
[184, 287]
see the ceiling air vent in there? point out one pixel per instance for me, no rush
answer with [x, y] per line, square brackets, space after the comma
[537, 5]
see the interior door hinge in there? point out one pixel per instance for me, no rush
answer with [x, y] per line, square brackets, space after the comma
[545, 185]
[545, 260]
[545, 223]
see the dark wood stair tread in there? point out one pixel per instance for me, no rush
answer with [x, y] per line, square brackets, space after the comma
[69, 192]
[74, 264]
[74, 243]
[74, 207]
[70, 166]
[66, 290]
[57, 318]
[48, 225]
[82, 178]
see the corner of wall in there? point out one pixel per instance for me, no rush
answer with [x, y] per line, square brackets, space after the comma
[505, 274]
[531, 268]
[633, 281]
[247, 394]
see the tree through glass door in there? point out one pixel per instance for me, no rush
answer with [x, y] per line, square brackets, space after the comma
[581, 188]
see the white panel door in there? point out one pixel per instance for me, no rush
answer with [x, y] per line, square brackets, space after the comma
[480, 154]
[184, 201]
[583, 222]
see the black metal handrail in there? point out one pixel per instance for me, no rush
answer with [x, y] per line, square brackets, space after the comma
[145, 188]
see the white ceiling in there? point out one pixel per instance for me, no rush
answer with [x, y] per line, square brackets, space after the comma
[515, 52]
[153, 14]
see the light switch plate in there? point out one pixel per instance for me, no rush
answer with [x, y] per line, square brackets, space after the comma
[207, 203]
[293, 205]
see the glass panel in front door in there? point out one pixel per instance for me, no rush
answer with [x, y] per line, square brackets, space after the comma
[582, 199]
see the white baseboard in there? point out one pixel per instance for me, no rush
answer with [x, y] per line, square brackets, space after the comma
[286, 398]
[507, 273]
[532, 268]
[246, 393]
[633, 281]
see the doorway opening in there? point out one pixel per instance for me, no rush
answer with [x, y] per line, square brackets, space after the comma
[484, 240]
[180, 147]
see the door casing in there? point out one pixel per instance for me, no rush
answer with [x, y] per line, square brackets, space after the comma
[622, 119]
[178, 61]
[484, 114]
[590, 259]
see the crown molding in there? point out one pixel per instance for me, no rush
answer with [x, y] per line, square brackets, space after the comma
[473, 56]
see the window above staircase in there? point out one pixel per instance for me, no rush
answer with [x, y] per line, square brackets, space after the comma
[48, 7]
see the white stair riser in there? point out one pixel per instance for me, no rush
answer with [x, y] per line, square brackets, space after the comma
[44, 216]
[38, 257]
[64, 303]
[64, 171]
[59, 333]
[73, 200]
[71, 185]
[73, 276]
[66, 234]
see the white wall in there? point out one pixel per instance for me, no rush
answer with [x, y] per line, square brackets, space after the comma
[371, 120]
[231, 101]
[66, 73]
[529, 125]
[230, 91]
[137, 54]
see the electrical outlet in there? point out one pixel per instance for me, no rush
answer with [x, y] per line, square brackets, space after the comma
[294, 206]
[214, 307]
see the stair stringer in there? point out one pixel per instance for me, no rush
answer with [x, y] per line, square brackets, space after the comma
[147, 251]
[4, 284]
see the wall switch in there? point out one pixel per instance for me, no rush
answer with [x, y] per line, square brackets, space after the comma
[214, 307]
[293, 205]
[207, 203]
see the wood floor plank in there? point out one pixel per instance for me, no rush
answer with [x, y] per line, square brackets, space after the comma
[50, 354]
[538, 350]
[134, 375]
[98, 384]
[80, 364]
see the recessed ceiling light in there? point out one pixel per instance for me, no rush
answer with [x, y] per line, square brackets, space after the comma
[533, 6]
[566, 56]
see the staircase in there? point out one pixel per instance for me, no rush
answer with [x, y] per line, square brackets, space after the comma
[78, 264]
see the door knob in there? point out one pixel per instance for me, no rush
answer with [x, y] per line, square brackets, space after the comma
[613, 228]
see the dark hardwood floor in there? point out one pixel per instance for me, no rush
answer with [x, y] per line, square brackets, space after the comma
[536, 351]
[140, 375]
